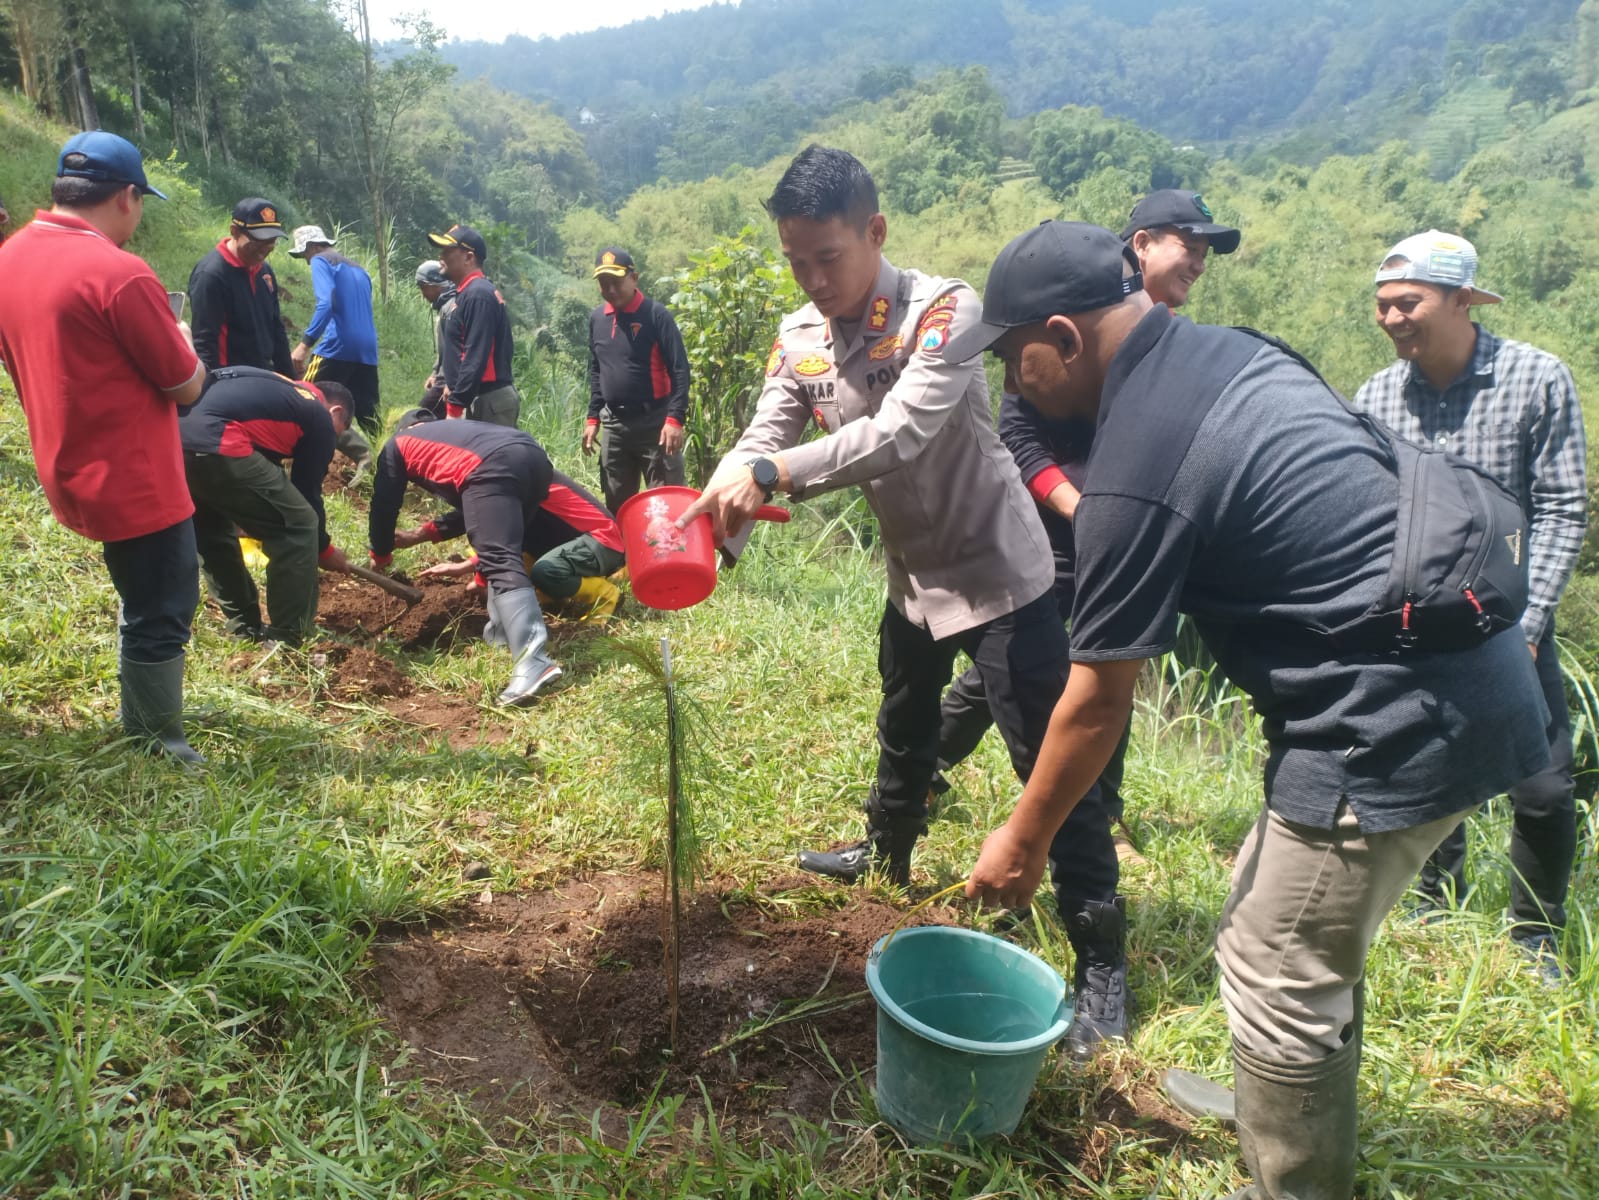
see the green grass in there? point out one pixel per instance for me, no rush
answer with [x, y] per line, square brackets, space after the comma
[182, 1010]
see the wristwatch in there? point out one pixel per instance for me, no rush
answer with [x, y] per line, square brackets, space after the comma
[764, 472]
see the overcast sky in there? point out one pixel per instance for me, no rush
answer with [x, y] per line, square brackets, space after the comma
[493, 20]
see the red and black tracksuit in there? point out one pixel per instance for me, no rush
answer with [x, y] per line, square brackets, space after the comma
[236, 319]
[477, 342]
[638, 368]
[235, 440]
[496, 477]
[245, 410]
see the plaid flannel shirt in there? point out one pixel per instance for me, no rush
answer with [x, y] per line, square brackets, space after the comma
[1513, 412]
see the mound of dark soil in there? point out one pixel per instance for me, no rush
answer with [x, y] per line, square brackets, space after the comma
[356, 673]
[559, 998]
[448, 612]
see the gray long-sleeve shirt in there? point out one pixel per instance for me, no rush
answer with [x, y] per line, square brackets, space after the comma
[962, 537]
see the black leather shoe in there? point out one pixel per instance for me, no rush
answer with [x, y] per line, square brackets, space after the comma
[847, 863]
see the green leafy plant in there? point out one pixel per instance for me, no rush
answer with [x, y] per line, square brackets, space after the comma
[728, 302]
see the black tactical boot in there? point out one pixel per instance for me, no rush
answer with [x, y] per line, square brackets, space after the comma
[887, 847]
[1098, 933]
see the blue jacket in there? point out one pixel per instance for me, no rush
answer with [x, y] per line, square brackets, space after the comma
[342, 320]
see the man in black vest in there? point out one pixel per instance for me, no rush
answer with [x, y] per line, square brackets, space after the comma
[1229, 482]
[233, 295]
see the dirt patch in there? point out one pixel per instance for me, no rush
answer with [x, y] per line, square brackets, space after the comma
[356, 673]
[341, 471]
[462, 722]
[449, 612]
[559, 999]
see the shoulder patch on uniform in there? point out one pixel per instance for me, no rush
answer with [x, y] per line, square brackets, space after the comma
[813, 364]
[774, 360]
[885, 348]
[933, 329]
[877, 316]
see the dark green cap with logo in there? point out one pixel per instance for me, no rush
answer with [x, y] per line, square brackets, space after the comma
[1188, 212]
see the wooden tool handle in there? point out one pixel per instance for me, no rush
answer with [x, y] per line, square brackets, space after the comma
[392, 586]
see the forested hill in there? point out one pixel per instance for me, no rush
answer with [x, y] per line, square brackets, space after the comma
[1196, 71]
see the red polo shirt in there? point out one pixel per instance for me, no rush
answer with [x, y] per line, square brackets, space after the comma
[89, 339]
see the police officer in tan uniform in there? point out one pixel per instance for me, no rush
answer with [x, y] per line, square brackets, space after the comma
[969, 565]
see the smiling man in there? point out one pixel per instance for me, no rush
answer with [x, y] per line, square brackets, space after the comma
[1173, 233]
[969, 565]
[1513, 410]
[1227, 481]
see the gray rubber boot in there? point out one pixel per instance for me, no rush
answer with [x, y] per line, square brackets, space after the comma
[1103, 1006]
[493, 632]
[887, 847]
[1297, 1122]
[523, 624]
[152, 707]
[1200, 1097]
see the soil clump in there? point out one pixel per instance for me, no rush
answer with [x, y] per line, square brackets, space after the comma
[449, 612]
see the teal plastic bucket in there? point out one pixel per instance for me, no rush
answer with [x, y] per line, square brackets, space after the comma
[964, 1021]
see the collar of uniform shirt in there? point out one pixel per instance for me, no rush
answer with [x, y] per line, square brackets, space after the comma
[632, 306]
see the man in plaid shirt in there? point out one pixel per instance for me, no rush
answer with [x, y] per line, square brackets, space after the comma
[1511, 409]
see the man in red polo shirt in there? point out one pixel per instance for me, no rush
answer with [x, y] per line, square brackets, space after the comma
[101, 368]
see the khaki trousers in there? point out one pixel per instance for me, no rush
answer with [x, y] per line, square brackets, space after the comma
[1305, 906]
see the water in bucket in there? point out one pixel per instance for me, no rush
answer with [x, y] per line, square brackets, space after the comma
[964, 1022]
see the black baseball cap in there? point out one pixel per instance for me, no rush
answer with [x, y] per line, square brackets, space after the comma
[413, 416]
[1054, 269]
[105, 158]
[1186, 210]
[260, 218]
[463, 235]
[612, 261]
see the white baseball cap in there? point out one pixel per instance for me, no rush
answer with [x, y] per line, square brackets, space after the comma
[309, 235]
[1445, 259]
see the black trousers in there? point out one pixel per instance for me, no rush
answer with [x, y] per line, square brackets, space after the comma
[1543, 833]
[499, 501]
[1023, 658]
[158, 578]
[965, 717]
[360, 378]
[630, 450]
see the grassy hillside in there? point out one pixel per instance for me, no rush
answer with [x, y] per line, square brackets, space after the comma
[197, 971]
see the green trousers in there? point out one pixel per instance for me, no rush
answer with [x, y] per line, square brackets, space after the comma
[558, 572]
[254, 494]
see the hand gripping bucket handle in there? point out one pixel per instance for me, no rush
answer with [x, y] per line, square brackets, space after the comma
[672, 568]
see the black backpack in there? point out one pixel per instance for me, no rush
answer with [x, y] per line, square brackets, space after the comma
[1460, 571]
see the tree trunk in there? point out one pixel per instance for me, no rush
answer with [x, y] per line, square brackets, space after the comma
[374, 173]
[83, 88]
[138, 93]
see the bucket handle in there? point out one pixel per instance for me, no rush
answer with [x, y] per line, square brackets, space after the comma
[916, 908]
[773, 512]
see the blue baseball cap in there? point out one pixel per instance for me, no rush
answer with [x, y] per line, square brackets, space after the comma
[104, 157]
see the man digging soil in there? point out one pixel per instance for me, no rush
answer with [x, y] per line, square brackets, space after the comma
[499, 483]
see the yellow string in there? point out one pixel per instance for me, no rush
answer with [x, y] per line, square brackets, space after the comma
[933, 899]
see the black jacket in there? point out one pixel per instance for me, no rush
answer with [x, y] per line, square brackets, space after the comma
[477, 342]
[637, 365]
[245, 411]
[236, 320]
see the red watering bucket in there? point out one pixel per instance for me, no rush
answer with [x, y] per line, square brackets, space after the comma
[669, 567]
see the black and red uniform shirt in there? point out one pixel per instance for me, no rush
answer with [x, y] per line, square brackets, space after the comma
[236, 319]
[477, 341]
[246, 411]
[637, 365]
[444, 458]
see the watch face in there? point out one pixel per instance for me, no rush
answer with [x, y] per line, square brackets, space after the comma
[765, 472]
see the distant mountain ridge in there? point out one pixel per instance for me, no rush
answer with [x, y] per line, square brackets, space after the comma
[1208, 72]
